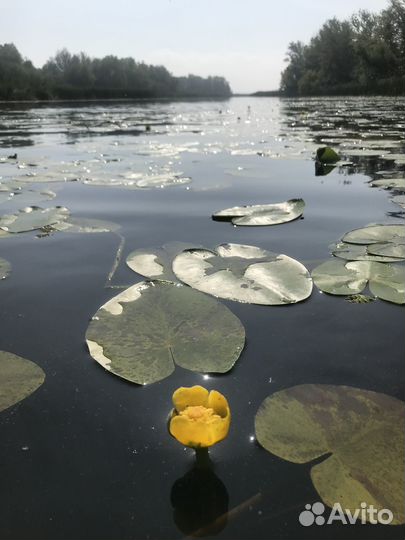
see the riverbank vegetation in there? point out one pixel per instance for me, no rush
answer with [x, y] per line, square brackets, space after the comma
[362, 55]
[77, 76]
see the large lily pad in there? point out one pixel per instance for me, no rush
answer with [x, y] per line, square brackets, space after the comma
[86, 225]
[358, 432]
[32, 218]
[18, 379]
[263, 214]
[245, 274]
[142, 333]
[358, 252]
[374, 234]
[386, 281]
[156, 262]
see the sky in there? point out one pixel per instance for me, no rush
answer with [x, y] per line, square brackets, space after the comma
[243, 40]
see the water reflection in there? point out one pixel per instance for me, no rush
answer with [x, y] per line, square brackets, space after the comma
[200, 502]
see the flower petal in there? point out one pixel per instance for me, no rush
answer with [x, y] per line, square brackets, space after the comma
[190, 397]
[219, 403]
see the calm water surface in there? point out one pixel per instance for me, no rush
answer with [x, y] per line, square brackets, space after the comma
[88, 455]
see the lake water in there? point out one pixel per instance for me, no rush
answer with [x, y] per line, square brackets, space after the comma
[88, 455]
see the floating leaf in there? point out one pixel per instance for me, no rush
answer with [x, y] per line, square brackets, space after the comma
[358, 252]
[18, 379]
[375, 234]
[388, 249]
[326, 154]
[144, 331]
[399, 199]
[32, 218]
[30, 197]
[358, 432]
[156, 262]
[263, 214]
[5, 268]
[86, 225]
[389, 183]
[245, 274]
[386, 281]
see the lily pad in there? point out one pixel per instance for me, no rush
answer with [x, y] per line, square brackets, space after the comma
[156, 262]
[5, 268]
[399, 199]
[375, 234]
[30, 197]
[358, 252]
[388, 249]
[263, 214]
[86, 225]
[32, 218]
[386, 281]
[358, 432]
[18, 379]
[143, 332]
[389, 183]
[326, 154]
[245, 274]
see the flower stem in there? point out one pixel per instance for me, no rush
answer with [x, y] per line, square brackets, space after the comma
[202, 458]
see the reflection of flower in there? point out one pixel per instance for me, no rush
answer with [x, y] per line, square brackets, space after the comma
[200, 418]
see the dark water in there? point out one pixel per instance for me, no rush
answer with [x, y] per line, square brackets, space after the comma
[88, 455]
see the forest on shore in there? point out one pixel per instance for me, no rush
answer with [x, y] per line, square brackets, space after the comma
[362, 55]
[77, 76]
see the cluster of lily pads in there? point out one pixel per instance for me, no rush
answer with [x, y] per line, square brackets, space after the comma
[370, 255]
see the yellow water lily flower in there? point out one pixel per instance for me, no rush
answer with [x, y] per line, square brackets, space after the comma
[199, 418]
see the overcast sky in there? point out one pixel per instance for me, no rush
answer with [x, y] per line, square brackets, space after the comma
[243, 40]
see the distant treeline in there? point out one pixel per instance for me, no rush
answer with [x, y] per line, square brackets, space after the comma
[363, 55]
[77, 76]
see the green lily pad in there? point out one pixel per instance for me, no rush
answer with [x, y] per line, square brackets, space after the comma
[156, 262]
[263, 214]
[386, 281]
[359, 252]
[388, 249]
[5, 268]
[32, 218]
[326, 154]
[375, 234]
[358, 432]
[399, 199]
[245, 274]
[18, 379]
[389, 183]
[143, 332]
[86, 225]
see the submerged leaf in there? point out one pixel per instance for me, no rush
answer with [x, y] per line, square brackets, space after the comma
[32, 218]
[358, 432]
[263, 214]
[144, 331]
[18, 379]
[245, 274]
[386, 281]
